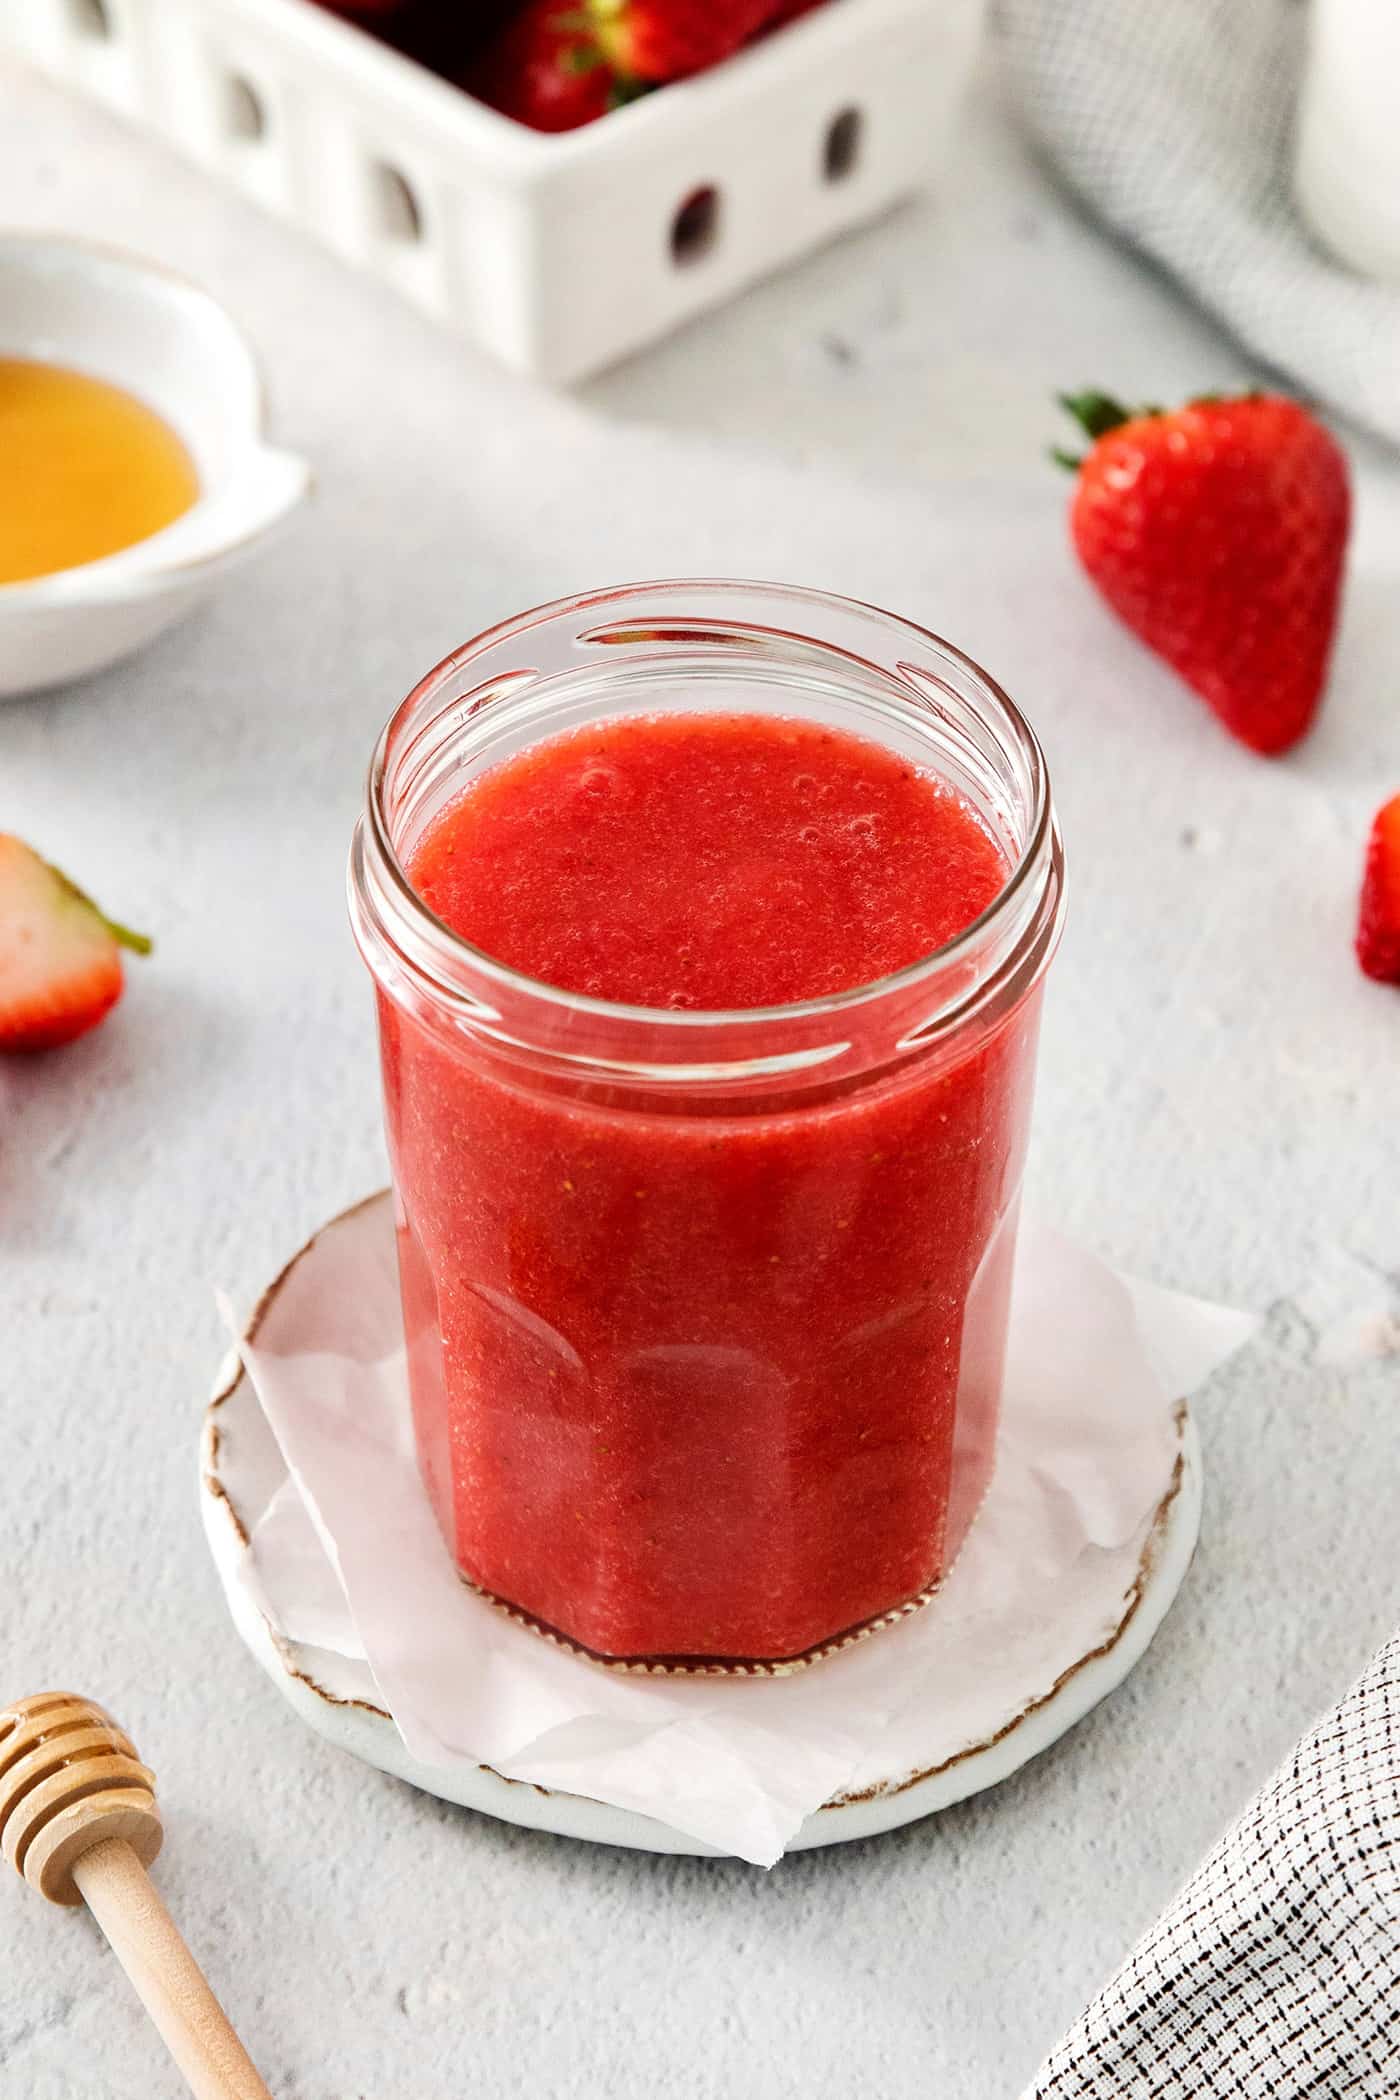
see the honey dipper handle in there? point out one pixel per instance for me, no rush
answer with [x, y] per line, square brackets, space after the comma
[166, 1976]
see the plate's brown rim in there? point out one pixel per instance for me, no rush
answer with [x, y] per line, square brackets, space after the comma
[883, 1789]
[212, 1439]
[1147, 1560]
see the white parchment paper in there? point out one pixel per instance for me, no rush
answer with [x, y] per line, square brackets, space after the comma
[347, 1556]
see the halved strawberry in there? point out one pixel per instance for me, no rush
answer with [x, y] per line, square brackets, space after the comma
[60, 958]
[1378, 927]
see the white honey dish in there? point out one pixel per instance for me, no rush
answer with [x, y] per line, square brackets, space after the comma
[556, 254]
[122, 319]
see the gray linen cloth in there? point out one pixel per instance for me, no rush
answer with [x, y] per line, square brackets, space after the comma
[1173, 120]
[1275, 1974]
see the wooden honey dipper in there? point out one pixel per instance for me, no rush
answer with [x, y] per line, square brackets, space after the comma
[79, 1822]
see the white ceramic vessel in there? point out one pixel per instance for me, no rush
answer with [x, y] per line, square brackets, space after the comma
[557, 254]
[129, 321]
[1346, 140]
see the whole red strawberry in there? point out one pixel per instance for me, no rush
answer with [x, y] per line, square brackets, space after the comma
[1378, 927]
[1218, 532]
[659, 40]
[547, 70]
[60, 958]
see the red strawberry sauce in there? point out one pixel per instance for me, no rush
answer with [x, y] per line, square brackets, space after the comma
[699, 1373]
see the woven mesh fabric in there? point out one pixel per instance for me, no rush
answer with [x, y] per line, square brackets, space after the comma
[1275, 1974]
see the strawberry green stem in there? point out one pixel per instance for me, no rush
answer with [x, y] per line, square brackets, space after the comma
[1096, 414]
[608, 21]
[124, 936]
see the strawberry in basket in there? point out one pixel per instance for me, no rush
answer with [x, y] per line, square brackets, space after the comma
[657, 40]
[547, 69]
[561, 63]
[369, 11]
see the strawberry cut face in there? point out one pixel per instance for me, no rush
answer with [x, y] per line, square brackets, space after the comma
[60, 959]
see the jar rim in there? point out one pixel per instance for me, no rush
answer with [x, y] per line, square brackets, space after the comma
[437, 938]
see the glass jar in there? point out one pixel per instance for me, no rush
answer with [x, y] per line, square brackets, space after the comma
[706, 1312]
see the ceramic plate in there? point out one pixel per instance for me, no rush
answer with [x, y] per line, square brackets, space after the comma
[1061, 1674]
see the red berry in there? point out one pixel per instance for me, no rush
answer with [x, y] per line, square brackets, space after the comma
[1218, 532]
[547, 70]
[1378, 927]
[60, 959]
[658, 40]
[446, 38]
[362, 10]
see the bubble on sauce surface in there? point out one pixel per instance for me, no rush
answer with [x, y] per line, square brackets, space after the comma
[602, 782]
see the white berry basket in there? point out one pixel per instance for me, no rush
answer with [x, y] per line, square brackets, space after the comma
[556, 254]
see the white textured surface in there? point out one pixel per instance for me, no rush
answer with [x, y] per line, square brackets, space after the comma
[1217, 1108]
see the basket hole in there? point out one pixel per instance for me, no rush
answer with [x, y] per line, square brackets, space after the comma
[396, 202]
[91, 18]
[695, 227]
[245, 112]
[841, 148]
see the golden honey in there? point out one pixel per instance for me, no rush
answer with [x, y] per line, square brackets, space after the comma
[85, 469]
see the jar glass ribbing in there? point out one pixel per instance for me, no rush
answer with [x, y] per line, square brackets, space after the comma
[706, 1312]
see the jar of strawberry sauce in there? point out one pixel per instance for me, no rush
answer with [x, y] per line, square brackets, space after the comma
[708, 923]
